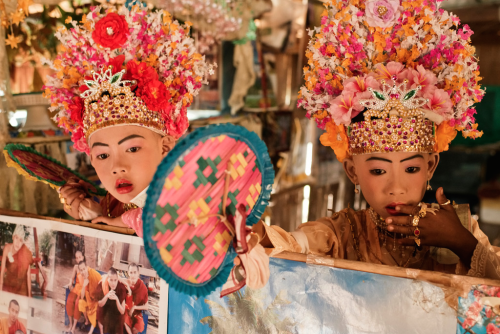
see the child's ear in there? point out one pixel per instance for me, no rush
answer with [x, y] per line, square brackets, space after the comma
[432, 164]
[167, 144]
[350, 170]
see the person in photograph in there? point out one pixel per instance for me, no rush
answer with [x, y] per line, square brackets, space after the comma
[111, 311]
[75, 286]
[137, 300]
[15, 274]
[88, 295]
[11, 324]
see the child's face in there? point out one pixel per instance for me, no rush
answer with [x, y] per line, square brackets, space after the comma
[125, 159]
[78, 257]
[389, 179]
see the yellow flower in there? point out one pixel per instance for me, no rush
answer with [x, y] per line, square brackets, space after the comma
[445, 133]
[336, 138]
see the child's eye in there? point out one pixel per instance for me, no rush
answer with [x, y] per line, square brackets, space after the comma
[133, 149]
[412, 170]
[377, 171]
[102, 156]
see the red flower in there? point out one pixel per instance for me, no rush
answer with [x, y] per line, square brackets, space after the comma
[140, 72]
[111, 31]
[80, 143]
[176, 128]
[155, 95]
[76, 109]
[117, 63]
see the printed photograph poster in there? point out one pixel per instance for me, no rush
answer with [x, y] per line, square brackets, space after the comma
[62, 278]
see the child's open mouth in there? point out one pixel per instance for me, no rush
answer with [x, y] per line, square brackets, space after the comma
[391, 209]
[123, 186]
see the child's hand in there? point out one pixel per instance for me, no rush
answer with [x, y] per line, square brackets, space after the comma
[72, 194]
[109, 221]
[442, 229]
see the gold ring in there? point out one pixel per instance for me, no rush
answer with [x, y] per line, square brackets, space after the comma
[423, 210]
[415, 221]
[446, 203]
[63, 200]
[67, 206]
[417, 241]
[416, 232]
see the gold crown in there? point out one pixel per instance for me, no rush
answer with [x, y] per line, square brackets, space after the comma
[120, 107]
[394, 123]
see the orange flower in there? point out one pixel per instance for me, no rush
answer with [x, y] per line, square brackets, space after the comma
[445, 133]
[336, 138]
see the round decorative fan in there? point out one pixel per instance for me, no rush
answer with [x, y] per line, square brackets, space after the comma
[209, 175]
[37, 166]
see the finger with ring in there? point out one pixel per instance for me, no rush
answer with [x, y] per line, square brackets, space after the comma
[67, 206]
[415, 220]
[63, 200]
[417, 241]
[446, 203]
[423, 210]
[416, 232]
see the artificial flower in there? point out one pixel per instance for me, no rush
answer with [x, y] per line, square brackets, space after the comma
[179, 125]
[344, 107]
[116, 63]
[359, 87]
[79, 140]
[111, 31]
[421, 77]
[393, 70]
[439, 102]
[492, 329]
[336, 138]
[76, 109]
[445, 133]
[382, 13]
[140, 72]
[155, 95]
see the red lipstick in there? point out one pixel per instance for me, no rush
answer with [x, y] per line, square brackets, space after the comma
[123, 186]
[391, 208]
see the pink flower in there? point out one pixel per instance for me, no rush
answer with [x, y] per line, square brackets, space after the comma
[344, 107]
[421, 77]
[439, 102]
[393, 70]
[359, 87]
[80, 143]
[468, 323]
[492, 329]
[382, 13]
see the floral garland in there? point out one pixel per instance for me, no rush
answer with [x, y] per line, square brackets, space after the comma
[155, 51]
[9, 18]
[363, 41]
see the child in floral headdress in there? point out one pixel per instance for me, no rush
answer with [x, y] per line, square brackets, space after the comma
[124, 81]
[392, 82]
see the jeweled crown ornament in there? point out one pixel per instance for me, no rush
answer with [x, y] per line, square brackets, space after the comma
[393, 123]
[125, 66]
[419, 49]
[109, 101]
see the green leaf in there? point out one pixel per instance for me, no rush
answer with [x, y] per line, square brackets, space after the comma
[89, 83]
[379, 95]
[410, 94]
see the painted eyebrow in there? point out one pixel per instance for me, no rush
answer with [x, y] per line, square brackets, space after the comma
[381, 159]
[413, 157]
[129, 137]
[99, 144]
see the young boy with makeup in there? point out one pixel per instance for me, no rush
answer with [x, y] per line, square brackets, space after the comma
[392, 92]
[124, 83]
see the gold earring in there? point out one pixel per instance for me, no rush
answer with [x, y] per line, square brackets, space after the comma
[356, 190]
[429, 185]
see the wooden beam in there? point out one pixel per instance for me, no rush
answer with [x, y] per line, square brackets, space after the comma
[115, 229]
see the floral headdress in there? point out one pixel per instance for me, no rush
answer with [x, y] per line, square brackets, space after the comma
[406, 67]
[125, 67]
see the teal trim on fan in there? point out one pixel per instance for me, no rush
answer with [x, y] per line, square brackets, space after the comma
[13, 147]
[167, 166]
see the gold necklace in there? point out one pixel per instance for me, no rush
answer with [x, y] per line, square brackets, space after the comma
[126, 206]
[356, 244]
